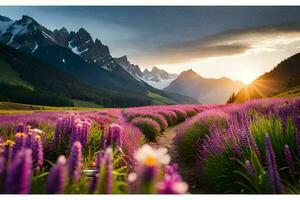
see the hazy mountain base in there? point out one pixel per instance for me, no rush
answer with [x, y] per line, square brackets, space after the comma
[205, 90]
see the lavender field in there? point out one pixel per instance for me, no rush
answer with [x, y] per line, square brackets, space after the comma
[233, 148]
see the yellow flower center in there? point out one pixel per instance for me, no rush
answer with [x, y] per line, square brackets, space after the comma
[150, 161]
[8, 143]
[21, 134]
[38, 137]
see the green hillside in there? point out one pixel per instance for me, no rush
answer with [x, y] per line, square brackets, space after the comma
[10, 108]
[159, 100]
[294, 92]
[26, 79]
[8, 75]
[284, 77]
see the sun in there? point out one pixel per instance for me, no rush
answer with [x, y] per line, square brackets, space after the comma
[247, 80]
[247, 77]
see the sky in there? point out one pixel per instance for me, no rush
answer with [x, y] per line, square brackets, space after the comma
[240, 43]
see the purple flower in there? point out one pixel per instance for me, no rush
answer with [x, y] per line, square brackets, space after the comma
[2, 167]
[105, 175]
[84, 133]
[284, 117]
[37, 153]
[19, 174]
[288, 157]
[298, 136]
[56, 178]
[76, 133]
[80, 131]
[249, 168]
[63, 129]
[75, 162]
[115, 135]
[273, 174]
[171, 183]
[102, 141]
[8, 151]
[22, 128]
[20, 142]
[58, 131]
[99, 159]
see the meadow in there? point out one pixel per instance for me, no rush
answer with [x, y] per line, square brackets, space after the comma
[252, 147]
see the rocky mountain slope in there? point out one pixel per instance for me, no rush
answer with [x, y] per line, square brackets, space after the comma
[157, 78]
[76, 53]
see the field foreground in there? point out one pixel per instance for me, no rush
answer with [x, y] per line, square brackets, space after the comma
[235, 148]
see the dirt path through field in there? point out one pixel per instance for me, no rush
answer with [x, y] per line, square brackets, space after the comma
[167, 139]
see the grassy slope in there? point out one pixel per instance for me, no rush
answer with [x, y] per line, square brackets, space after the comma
[294, 92]
[86, 104]
[8, 75]
[282, 78]
[10, 108]
[159, 100]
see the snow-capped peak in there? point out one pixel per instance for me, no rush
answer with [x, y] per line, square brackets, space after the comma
[157, 78]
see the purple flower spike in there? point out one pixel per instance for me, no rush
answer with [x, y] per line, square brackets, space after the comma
[288, 157]
[58, 131]
[22, 128]
[105, 175]
[75, 162]
[249, 168]
[8, 150]
[2, 166]
[115, 135]
[109, 173]
[37, 153]
[298, 136]
[19, 174]
[20, 142]
[56, 178]
[273, 174]
[85, 131]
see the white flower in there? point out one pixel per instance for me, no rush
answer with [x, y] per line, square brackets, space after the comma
[38, 131]
[132, 177]
[148, 156]
[180, 187]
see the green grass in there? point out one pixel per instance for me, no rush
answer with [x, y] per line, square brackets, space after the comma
[86, 104]
[11, 108]
[294, 92]
[159, 100]
[8, 75]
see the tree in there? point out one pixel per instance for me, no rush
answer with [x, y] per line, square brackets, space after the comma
[231, 98]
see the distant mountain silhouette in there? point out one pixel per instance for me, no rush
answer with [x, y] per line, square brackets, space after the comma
[205, 90]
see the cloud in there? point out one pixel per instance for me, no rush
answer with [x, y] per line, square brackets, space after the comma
[234, 42]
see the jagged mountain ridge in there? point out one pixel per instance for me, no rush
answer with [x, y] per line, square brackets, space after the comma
[76, 53]
[157, 78]
[28, 35]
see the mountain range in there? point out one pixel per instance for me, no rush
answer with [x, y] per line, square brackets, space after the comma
[61, 67]
[205, 90]
[157, 78]
[79, 58]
